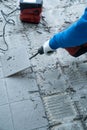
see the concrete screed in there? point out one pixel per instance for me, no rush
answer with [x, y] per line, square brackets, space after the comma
[51, 94]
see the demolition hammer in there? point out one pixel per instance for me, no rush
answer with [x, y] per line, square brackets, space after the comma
[40, 51]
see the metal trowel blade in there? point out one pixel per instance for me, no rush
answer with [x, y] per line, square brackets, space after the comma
[14, 61]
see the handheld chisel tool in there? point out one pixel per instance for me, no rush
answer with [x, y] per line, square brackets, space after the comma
[40, 51]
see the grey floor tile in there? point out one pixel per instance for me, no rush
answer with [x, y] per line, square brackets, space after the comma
[15, 60]
[69, 126]
[18, 87]
[5, 118]
[3, 93]
[29, 114]
[19, 38]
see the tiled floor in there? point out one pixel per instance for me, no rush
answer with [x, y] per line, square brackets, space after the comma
[52, 92]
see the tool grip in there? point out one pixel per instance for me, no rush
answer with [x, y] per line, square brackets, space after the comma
[40, 50]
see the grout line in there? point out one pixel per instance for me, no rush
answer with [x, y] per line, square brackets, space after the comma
[9, 106]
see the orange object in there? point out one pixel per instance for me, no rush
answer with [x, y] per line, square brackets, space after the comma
[78, 50]
[30, 10]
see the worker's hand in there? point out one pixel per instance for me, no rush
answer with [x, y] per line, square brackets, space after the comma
[47, 49]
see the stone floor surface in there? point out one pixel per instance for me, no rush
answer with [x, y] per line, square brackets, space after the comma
[51, 94]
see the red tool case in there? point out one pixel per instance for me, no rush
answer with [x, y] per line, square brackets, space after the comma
[30, 10]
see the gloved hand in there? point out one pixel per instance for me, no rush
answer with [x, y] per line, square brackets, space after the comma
[46, 49]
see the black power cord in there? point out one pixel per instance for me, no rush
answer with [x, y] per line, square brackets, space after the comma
[4, 28]
[7, 21]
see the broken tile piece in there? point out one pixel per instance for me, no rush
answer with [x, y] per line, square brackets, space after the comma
[14, 61]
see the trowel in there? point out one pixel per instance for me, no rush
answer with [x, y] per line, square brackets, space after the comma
[16, 60]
